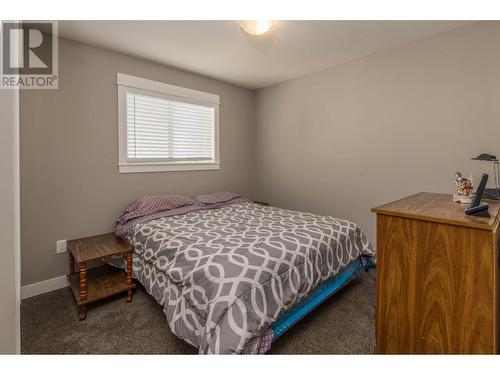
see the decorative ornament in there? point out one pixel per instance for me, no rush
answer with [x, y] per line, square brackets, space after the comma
[464, 187]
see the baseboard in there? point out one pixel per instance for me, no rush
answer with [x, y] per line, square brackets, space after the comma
[45, 286]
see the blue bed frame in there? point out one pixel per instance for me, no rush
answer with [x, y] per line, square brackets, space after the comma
[318, 296]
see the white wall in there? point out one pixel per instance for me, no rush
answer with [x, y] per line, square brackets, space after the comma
[9, 230]
[349, 138]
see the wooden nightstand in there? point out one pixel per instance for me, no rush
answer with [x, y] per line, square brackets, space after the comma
[100, 282]
[261, 203]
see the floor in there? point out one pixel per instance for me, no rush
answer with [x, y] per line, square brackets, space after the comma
[49, 324]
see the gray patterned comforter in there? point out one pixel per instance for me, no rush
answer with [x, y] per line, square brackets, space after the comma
[224, 275]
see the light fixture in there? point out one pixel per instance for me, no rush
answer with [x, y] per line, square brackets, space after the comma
[258, 27]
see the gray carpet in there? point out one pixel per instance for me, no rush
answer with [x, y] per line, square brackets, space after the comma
[49, 324]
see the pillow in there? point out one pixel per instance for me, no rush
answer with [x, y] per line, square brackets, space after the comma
[152, 204]
[164, 202]
[217, 197]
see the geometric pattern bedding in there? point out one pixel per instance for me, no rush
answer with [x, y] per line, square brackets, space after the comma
[224, 275]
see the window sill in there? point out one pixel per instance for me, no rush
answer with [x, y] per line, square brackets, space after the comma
[140, 168]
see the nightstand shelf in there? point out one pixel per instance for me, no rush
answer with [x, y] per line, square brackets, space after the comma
[102, 282]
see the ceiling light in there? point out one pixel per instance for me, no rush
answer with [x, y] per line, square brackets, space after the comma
[256, 27]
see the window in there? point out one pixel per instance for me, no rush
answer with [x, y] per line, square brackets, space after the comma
[166, 128]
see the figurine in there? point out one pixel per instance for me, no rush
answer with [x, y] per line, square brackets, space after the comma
[464, 187]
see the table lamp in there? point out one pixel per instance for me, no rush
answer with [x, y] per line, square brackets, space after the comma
[491, 193]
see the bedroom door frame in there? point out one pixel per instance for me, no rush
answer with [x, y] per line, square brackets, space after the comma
[10, 175]
[17, 220]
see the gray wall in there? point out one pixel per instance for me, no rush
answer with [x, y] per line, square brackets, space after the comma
[335, 142]
[70, 185]
[8, 285]
[346, 139]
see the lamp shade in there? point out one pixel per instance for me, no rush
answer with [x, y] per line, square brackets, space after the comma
[485, 157]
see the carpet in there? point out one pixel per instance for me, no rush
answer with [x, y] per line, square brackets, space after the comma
[345, 324]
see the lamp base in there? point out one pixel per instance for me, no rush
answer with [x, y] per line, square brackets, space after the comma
[492, 193]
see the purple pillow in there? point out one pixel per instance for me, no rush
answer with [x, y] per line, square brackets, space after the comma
[152, 204]
[164, 202]
[217, 197]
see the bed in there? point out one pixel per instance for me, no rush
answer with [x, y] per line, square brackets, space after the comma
[232, 275]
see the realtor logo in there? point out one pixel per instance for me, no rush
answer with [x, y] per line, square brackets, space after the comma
[29, 55]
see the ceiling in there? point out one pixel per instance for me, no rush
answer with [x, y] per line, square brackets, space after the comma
[220, 49]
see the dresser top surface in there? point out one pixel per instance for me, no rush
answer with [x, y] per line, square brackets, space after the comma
[439, 208]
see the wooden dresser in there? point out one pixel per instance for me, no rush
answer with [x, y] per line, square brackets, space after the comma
[437, 277]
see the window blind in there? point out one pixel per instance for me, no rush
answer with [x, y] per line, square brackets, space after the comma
[168, 130]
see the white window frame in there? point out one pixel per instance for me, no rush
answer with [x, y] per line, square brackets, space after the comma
[127, 83]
